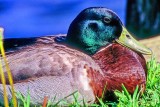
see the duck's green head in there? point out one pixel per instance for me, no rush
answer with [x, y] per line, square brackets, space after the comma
[96, 27]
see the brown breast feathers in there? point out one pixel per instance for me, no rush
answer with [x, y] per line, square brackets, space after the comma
[121, 66]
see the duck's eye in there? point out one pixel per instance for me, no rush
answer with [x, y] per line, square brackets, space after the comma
[107, 19]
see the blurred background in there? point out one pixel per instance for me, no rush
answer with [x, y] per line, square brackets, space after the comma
[34, 18]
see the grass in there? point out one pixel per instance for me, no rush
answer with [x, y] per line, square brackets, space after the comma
[4, 59]
[150, 98]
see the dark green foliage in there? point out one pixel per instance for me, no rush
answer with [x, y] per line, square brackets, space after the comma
[143, 17]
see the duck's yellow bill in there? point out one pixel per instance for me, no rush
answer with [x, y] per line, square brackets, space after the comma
[127, 40]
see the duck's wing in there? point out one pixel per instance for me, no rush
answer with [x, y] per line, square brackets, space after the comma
[51, 69]
[45, 57]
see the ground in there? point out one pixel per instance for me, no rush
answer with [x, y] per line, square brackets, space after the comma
[154, 44]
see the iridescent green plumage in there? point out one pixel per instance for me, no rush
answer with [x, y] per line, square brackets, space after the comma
[91, 30]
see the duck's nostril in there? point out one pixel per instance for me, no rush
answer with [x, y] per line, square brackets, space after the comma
[128, 36]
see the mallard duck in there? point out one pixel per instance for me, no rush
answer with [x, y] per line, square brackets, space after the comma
[96, 52]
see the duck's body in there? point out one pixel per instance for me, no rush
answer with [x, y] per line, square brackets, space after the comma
[50, 69]
[86, 60]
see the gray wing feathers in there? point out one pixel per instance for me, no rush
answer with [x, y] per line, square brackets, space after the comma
[50, 69]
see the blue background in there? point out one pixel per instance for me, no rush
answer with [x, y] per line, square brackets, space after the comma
[32, 18]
